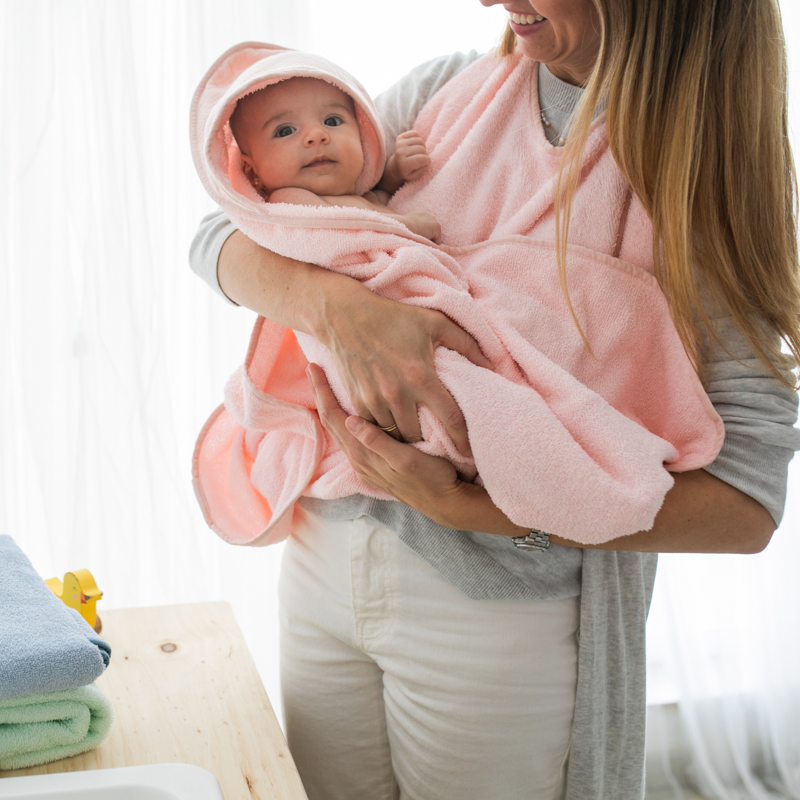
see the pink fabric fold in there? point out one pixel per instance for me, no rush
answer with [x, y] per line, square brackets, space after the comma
[575, 443]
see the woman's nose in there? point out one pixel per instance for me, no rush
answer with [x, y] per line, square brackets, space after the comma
[489, 3]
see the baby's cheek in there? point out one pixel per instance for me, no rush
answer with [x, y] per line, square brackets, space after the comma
[358, 155]
[356, 160]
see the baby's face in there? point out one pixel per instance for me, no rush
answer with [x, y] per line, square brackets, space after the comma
[300, 133]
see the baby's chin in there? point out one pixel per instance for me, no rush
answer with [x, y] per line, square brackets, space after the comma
[329, 179]
[332, 188]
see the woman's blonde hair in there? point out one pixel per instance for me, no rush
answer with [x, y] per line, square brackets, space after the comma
[697, 121]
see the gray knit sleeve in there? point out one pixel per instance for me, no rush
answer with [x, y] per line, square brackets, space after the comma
[206, 245]
[399, 105]
[759, 415]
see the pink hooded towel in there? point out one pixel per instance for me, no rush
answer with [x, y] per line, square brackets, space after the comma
[575, 443]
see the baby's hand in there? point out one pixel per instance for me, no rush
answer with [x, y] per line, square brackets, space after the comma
[411, 156]
[423, 224]
[409, 161]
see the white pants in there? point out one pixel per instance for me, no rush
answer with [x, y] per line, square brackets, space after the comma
[397, 685]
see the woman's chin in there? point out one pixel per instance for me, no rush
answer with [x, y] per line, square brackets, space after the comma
[533, 48]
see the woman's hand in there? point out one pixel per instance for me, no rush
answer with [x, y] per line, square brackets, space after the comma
[384, 355]
[383, 349]
[424, 482]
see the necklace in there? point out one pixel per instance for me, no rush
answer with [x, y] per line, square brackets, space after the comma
[560, 140]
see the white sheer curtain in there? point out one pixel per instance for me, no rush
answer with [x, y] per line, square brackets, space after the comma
[724, 638]
[112, 354]
[724, 641]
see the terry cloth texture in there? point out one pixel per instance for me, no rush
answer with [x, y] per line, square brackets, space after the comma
[44, 646]
[40, 728]
[582, 443]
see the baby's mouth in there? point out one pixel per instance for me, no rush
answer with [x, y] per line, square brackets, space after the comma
[320, 160]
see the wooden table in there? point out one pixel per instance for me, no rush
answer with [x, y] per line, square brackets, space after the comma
[185, 689]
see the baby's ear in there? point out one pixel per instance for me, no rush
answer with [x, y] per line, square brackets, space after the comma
[249, 170]
[252, 176]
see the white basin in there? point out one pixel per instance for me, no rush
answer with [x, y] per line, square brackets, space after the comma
[151, 782]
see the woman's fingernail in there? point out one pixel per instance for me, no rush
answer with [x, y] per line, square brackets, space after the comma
[354, 424]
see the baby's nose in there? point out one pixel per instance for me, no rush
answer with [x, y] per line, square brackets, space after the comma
[317, 134]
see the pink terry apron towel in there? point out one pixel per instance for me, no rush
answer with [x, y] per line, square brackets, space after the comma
[574, 442]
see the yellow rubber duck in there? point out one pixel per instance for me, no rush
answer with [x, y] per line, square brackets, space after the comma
[79, 591]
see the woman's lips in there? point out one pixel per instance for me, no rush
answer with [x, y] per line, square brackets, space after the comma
[526, 30]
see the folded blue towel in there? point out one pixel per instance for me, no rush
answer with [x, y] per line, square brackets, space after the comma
[44, 646]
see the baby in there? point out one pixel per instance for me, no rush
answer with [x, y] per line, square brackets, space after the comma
[300, 144]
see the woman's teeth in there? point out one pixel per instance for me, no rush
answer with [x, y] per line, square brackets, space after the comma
[526, 19]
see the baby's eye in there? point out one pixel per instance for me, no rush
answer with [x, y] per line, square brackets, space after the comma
[333, 122]
[286, 130]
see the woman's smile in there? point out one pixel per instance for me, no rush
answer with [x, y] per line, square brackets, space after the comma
[526, 24]
[527, 29]
[563, 34]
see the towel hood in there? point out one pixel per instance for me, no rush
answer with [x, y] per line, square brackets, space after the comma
[244, 69]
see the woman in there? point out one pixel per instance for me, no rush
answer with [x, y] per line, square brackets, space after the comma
[422, 653]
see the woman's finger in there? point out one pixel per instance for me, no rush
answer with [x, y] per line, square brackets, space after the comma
[441, 404]
[370, 406]
[376, 440]
[369, 462]
[451, 336]
[417, 479]
[393, 467]
[386, 404]
[330, 413]
[383, 417]
[402, 409]
[333, 417]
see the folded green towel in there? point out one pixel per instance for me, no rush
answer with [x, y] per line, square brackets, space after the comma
[38, 728]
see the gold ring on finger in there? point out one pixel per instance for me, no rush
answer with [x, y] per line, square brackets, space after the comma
[389, 429]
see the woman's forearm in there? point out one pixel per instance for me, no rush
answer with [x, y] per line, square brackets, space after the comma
[700, 514]
[383, 350]
[291, 293]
